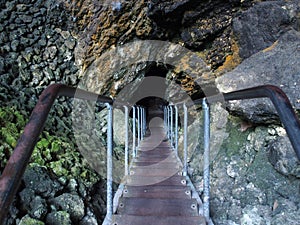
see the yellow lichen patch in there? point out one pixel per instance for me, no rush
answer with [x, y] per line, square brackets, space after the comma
[231, 61]
[271, 47]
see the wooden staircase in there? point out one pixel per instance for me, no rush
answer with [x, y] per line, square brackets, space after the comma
[155, 192]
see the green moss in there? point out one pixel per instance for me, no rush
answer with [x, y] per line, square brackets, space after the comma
[57, 153]
[236, 137]
[26, 220]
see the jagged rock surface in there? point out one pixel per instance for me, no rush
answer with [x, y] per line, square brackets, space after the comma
[277, 65]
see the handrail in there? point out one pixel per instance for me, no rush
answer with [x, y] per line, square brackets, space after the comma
[282, 105]
[276, 95]
[279, 99]
[16, 165]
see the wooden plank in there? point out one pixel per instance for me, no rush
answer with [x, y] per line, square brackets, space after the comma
[156, 159]
[152, 192]
[156, 165]
[157, 220]
[162, 207]
[150, 171]
[135, 180]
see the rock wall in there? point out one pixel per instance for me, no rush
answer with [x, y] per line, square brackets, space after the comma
[47, 41]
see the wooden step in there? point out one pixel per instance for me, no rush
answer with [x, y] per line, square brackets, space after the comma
[154, 192]
[155, 171]
[154, 206]
[155, 159]
[155, 153]
[136, 180]
[166, 165]
[157, 220]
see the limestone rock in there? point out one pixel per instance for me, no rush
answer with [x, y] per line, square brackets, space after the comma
[72, 204]
[38, 180]
[260, 26]
[283, 157]
[27, 220]
[277, 65]
[58, 218]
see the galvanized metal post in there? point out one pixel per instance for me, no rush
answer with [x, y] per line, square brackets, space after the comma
[165, 117]
[185, 141]
[109, 187]
[169, 122]
[142, 123]
[139, 125]
[172, 125]
[145, 121]
[206, 175]
[133, 132]
[176, 129]
[126, 141]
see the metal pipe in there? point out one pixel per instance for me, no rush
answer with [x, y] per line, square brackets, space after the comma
[109, 187]
[279, 99]
[133, 132]
[206, 175]
[176, 129]
[142, 123]
[139, 125]
[18, 161]
[169, 122]
[145, 121]
[126, 141]
[165, 118]
[172, 125]
[185, 144]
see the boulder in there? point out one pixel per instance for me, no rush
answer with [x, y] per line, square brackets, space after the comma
[283, 157]
[260, 26]
[277, 65]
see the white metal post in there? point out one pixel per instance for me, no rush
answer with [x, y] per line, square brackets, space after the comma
[126, 141]
[176, 129]
[133, 132]
[139, 125]
[206, 175]
[172, 124]
[185, 144]
[109, 194]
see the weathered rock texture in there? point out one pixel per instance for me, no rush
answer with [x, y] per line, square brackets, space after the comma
[277, 65]
[254, 180]
[260, 26]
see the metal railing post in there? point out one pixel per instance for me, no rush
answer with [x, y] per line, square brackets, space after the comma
[142, 123]
[126, 141]
[169, 122]
[185, 144]
[139, 124]
[133, 132]
[165, 117]
[176, 129]
[206, 175]
[109, 197]
[145, 122]
[172, 124]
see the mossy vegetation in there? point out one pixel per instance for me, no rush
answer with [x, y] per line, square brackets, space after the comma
[236, 137]
[59, 154]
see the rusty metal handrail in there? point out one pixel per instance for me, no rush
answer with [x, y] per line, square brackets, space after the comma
[282, 105]
[16, 165]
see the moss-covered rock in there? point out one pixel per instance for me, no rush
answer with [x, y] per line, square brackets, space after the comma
[59, 218]
[27, 220]
[58, 154]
